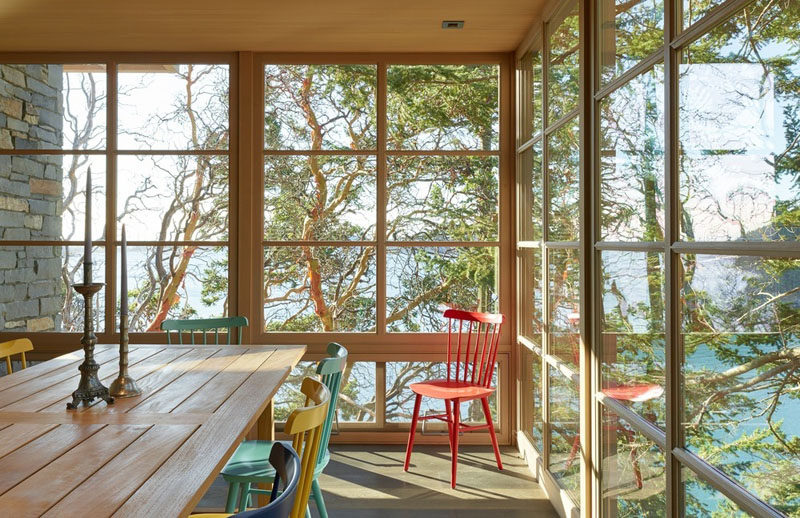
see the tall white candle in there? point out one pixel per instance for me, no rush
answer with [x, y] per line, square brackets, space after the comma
[87, 246]
[123, 284]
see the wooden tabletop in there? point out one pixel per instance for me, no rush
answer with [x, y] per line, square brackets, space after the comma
[152, 455]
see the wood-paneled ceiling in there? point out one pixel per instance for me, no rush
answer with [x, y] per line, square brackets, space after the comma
[264, 25]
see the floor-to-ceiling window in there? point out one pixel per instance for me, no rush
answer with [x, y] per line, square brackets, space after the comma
[549, 195]
[372, 194]
[695, 262]
[382, 192]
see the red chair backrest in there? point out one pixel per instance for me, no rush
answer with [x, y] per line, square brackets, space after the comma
[472, 340]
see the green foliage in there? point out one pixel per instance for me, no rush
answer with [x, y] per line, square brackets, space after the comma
[442, 107]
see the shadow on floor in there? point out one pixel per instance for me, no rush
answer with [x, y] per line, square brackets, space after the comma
[369, 481]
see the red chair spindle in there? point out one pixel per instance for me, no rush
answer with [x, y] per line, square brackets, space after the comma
[449, 345]
[492, 359]
[458, 351]
[466, 353]
[480, 366]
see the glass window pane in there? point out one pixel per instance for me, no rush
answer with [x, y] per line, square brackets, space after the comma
[319, 289]
[531, 192]
[421, 282]
[174, 282]
[52, 106]
[537, 91]
[633, 471]
[694, 10]
[629, 32]
[36, 293]
[357, 394]
[741, 333]
[319, 106]
[702, 500]
[632, 160]
[740, 151]
[173, 197]
[565, 444]
[565, 317]
[400, 399]
[319, 197]
[173, 106]
[530, 283]
[564, 68]
[356, 402]
[442, 198]
[443, 107]
[537, 427]
[633, 331]
[563, 173]
[43, 197]
[537, 191]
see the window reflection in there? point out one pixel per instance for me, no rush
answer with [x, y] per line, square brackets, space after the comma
[633, 482]
[632, 160]
[630, 32]
[741, 366]
[739, 129]
[633, 331]
[565, 443]
[564, 67]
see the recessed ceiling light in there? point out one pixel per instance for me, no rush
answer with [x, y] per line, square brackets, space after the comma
[453, 24]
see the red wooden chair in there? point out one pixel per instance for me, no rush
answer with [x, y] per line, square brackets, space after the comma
[470, 365]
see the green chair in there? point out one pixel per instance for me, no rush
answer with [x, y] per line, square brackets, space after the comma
[249, 464]
[205, 326]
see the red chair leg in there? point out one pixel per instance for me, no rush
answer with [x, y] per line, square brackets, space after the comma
[449, 412]
[637, 473]
[412, 432]
[488, 414]
[454, 441]
[576, 446]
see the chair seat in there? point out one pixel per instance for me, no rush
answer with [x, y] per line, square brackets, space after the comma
[443, 389]
[250, 463]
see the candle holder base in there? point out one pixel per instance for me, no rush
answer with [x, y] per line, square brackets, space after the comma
[124, 386]
[89, 387]
[88, 390]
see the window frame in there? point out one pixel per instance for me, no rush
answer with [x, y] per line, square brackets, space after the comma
[669, 440]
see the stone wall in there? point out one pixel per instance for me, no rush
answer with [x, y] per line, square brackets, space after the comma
[31, 108]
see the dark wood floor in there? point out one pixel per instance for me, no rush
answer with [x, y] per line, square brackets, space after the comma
[368, 481]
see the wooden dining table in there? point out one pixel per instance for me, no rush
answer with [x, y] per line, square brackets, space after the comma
[152, 455]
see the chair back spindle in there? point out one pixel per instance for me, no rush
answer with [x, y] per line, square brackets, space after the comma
[205, 326]
[19, 346]
[478, 343]
[305, 426]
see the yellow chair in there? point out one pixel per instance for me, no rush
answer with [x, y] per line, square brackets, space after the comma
[19, 346]
[305, 426]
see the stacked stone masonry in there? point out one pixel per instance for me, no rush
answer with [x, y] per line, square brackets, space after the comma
[31, 117]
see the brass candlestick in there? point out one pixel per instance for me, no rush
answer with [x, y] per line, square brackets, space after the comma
[89, 388]
[124, 385]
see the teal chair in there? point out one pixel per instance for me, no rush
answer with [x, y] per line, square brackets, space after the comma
[231, 325]
[249, 464]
